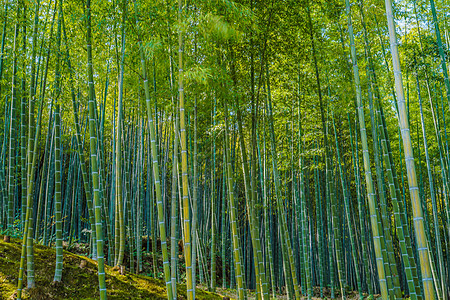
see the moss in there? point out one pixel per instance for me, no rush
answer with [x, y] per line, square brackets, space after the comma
[79, 280]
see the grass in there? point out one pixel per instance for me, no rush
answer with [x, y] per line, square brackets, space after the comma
[79, 280]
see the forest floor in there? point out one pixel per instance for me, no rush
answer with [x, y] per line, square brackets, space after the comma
[79, 280]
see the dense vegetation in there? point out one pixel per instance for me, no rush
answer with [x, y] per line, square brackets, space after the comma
[287, 147]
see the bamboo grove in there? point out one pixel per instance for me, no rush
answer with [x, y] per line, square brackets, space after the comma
[267, 147]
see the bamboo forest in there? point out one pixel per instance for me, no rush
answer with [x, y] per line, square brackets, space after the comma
[224, 149]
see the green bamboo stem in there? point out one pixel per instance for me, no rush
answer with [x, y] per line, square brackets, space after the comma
[383, 205]
[28, 224]
[23, 149]
[319, 219]
[156, 178]
[223, 224]
[213, 204]
[58, 168]
[174, 207]
[361, 204]
[94, 156]
[238, 266]
[421, 239]
[377, 233]
[184, 164]
[304, 222]
[79, 148]
[195, 201]
[119, 179]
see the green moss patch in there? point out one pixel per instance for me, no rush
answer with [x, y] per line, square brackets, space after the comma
[79, 280]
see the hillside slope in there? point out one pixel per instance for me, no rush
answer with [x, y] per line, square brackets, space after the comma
[79, 278]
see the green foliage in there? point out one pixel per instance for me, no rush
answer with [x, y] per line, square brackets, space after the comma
[16, 230]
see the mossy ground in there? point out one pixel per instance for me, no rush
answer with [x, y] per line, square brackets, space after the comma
[79, 280]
